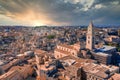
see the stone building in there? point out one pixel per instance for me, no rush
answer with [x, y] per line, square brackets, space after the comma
[105, 54]
[91, 71]
[72, 73]
[63, 50]
[90, 37]
[86, 69]
[18, 73]
[116, 76]
[102, 57]
[46, 66]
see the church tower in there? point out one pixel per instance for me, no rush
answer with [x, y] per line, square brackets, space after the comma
[90, 37]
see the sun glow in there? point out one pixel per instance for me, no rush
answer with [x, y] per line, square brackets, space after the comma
[29, 17]
[37, 23]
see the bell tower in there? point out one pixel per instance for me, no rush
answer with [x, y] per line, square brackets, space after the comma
[90, 37]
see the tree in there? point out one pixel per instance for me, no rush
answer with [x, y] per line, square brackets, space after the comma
[51, 36]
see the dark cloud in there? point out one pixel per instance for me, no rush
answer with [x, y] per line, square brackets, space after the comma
[62, 12]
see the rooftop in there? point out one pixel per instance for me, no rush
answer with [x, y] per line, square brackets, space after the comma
[62, 51]
[90, 66]
[67, 46]
[39, 51]
[106, 48]
[99, 70]
[47, 68]
[102, 54]
[115, 77]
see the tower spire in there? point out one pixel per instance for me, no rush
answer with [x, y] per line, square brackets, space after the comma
[90, 37]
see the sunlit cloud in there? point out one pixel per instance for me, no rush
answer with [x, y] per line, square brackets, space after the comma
[59, 12]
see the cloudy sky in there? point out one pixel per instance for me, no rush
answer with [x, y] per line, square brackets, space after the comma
[59, 12]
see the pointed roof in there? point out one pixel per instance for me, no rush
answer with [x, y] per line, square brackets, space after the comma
[90, 28]
[91, 24]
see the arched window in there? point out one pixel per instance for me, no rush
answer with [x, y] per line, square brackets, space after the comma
[57, 56]
[88, 42]
[73, 53]
[88, 37]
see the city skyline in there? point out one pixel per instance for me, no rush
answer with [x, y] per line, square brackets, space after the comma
[59, 12]
[59, 53]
